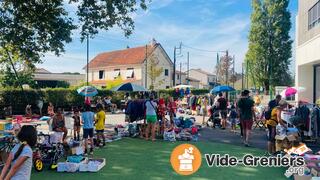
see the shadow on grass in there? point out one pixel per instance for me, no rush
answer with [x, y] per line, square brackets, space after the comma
[137, 159]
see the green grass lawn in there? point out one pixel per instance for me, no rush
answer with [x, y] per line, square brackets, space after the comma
[138, 159]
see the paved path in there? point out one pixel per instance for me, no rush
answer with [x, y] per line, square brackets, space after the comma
[258, 138]
[210, 134]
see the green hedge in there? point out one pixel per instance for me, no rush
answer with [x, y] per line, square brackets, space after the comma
[62, 97]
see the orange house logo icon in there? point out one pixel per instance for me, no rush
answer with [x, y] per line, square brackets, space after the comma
[186, 159]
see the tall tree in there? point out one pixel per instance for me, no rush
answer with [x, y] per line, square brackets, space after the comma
[268, 57]
[224, 70]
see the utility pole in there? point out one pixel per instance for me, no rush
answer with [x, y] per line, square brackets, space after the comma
[146, 74]
[174, 62]
[180, 73]
[233, 72]
[188, 68]
[174, 66]
[87, 59]
[227, 66]
[247, 74]
[242, 76]
[217, 69]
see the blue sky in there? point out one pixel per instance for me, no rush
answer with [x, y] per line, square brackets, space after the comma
[213, 25]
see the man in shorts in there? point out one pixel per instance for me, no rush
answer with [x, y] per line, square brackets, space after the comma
[223, 107]
[151, 117]
[247, 115]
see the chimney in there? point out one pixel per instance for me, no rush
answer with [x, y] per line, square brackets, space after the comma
[153, 42]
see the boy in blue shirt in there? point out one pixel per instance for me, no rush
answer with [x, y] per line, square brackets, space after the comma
[88, 121]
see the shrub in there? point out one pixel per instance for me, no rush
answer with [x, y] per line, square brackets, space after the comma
[62, 97]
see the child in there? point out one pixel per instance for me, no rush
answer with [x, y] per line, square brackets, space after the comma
[87, 121]
[100, 121]
[20, 158]
[50, 109]
[172, 108]
[76, 125]
[233, 117]
[161, 115]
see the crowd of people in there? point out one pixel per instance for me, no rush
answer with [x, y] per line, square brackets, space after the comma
[242, 111]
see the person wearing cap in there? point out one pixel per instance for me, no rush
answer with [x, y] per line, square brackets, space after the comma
[246, 114]
[273, 122]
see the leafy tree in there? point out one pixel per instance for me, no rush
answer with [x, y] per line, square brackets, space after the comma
[105, 14]
[224, 70]
[29, 29]
[268, 57]
[154, 72]
[114, 83]
[9, 79]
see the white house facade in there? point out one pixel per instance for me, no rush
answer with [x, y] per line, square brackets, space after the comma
[206, 79]
[308, 49]
[132, 65]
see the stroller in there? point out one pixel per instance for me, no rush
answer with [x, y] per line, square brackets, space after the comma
[47, 152]
[214, 119]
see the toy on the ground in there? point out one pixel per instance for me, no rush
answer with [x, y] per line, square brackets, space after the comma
[47, 152]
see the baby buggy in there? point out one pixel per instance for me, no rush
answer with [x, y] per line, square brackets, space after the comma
[214, 119]
[47, 152]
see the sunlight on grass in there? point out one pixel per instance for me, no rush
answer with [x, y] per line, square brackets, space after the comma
[130, 159]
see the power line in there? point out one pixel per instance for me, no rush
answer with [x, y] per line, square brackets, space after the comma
[203, 50]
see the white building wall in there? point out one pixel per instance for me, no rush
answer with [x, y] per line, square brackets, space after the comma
[183, 78]
[164, 62]
[307, 51]
[203, 78]
[109, 72]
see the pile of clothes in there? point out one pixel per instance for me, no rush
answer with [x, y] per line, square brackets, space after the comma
[129, 130]
[184, 130]
[311, 169]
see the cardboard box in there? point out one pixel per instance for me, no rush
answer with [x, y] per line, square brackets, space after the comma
[281, 138]
[279, 145]
[91, 167]
[77, 150]
[291, 137]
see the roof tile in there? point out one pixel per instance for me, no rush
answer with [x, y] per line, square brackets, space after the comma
[121, 57]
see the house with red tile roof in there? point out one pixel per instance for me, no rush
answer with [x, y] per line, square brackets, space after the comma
[131, 65]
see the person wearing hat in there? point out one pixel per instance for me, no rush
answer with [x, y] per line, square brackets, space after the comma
[273, 122]
[246, 113]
